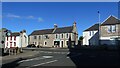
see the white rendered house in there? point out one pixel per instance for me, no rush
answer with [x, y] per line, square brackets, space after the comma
[16, 39]
[91, 35]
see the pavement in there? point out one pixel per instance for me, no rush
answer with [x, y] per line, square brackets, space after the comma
[24, 55]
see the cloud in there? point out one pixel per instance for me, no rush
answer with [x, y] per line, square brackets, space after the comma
[40, 19]
[30, 17]
[13, 16]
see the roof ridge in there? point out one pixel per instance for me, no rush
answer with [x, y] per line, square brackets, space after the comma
[111, 16]
[91, 27]
[53, 28]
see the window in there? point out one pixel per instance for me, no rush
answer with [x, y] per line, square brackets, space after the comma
[35, 37]
[39, 37]
[14, 37]
[113, 28]
[56, 36]
[25, 38]
[90, 33]
[11, 38]
[45, 43]
[46, 36]
[109, 29]
[14, 43]
[62, 35]
[10, 44]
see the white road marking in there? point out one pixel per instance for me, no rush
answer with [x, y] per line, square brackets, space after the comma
[55, 52]
[43, 57]
[31, 59]
[67, 57]
[48, 56]
[43, 63]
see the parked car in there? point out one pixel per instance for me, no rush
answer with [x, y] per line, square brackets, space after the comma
[38, 46]
[31, 45]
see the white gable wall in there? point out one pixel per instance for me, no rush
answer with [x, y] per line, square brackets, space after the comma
[87, 37]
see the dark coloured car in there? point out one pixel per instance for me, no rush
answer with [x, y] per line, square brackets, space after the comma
[31, 45]
[38, 46]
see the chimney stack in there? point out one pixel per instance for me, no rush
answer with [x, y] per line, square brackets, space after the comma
[55, 26]
[74, 24]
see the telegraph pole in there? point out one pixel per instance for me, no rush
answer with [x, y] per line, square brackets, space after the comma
[99, 26]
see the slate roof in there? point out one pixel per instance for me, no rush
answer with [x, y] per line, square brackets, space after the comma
[41, 32]
[49, 31]
[15, 34]
[111, 21]
[64, 30]
[94, 27]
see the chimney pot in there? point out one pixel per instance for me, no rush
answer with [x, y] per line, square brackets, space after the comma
[55, 26]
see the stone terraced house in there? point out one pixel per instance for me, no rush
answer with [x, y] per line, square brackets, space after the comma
[55, 37]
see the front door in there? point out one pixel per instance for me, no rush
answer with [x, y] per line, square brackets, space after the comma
[62, 44]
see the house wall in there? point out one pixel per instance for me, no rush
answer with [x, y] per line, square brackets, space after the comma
[105, 33]
[24, 39]
[9, 42]
[92, 39]
[21, 41]
[2, 37]
[51, 39]
[109, 38]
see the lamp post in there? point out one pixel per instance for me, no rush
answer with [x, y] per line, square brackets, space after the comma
[99, 27]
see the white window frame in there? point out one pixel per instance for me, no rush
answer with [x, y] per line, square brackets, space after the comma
[67, 35]
[113, 28]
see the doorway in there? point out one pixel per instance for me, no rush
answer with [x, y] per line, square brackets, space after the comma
[62, 44]
[57, 43]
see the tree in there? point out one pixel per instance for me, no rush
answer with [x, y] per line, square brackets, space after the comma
[80, 40]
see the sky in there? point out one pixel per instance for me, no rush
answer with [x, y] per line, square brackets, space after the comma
[31, 16]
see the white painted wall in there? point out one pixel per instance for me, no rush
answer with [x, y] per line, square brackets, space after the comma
[87, 37]
[108, 40]
[20, 41]
[17, 42]
[24, 40]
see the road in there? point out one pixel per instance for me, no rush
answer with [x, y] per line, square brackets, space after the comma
[48, 58]
[52, 57]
